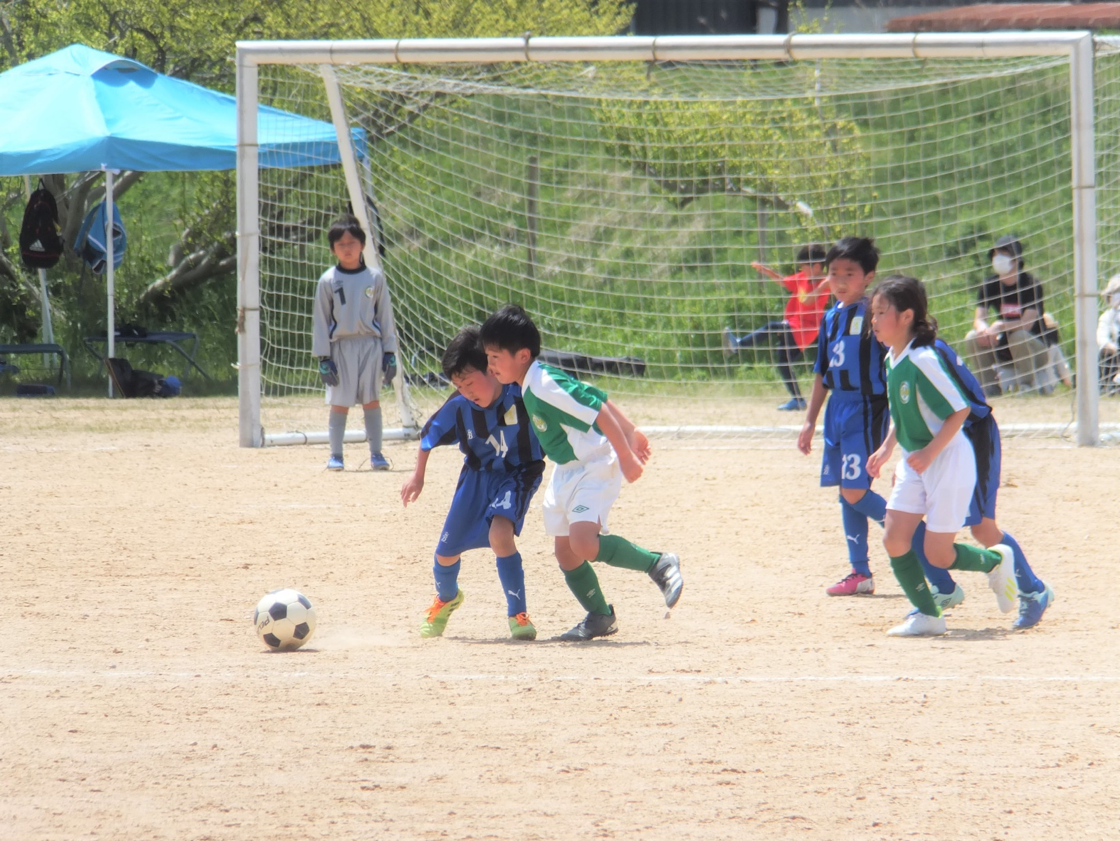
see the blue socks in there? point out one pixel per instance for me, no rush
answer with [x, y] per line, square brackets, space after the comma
[512, 576]
[936, 576]
[447, 580]
[855, 516]
[1024, 576]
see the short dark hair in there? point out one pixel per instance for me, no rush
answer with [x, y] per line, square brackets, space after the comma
[860, 250]
[346, 224]
[464, 352]
[511, 328]
[909, 293]
[814, 252]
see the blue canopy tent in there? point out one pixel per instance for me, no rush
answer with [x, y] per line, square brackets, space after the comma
[82, 109]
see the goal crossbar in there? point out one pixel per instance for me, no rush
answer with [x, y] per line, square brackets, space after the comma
[1078, 46]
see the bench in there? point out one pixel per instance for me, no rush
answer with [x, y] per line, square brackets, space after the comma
[50, 349]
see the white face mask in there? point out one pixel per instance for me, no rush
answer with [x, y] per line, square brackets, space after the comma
[1003, 264]
[1114, 300]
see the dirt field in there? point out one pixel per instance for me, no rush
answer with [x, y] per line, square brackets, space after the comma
[137, 703]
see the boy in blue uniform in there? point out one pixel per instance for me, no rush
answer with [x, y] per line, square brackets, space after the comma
[980, 428]
[849, 367]
[502, 468]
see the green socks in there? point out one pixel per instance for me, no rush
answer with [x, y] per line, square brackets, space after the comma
[617, 551]
[908, 570]
[976, 560]
[584, 584]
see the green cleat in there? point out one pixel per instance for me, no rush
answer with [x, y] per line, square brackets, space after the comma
[521, 627]
[435, 622]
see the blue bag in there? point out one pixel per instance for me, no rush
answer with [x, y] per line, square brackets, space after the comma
[90, 243]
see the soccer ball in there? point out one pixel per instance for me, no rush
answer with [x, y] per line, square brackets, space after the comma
[284, 619]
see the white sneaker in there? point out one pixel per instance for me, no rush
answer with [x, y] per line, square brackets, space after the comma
[946, 601]
[1002, 579]
[919, 624]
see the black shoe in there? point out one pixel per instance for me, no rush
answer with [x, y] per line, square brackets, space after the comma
[666, 574]
[593, 625]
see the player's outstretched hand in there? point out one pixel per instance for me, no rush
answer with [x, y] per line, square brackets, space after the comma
[410, 490]
[805, 438]
[875, 463]
[389, 367]
[328, 371]
[631, 468]
[640, 445]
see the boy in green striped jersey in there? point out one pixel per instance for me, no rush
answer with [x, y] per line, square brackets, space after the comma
[937, 474]
[594, 445]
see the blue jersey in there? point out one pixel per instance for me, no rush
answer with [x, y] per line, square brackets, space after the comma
[497, 438]
[969, 386]
[849, 357]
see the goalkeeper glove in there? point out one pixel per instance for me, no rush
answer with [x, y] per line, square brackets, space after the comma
[328, 371]
[389, 367]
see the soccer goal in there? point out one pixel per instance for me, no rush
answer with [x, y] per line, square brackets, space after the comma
[620, 188]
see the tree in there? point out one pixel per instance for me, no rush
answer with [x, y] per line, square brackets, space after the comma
[195, 40]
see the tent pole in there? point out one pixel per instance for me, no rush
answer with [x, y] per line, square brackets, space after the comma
[111, 329]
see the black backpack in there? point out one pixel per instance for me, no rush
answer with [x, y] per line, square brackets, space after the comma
[39, 241]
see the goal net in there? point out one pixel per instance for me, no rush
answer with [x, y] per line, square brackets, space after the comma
[621, 191]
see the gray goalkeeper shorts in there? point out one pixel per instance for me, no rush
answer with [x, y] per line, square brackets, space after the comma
[359, 371]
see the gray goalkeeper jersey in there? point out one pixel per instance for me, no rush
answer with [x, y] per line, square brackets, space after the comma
[350, 304]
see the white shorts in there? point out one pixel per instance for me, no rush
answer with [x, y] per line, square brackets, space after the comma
[359, 371]
[581, 493]
[943, 493]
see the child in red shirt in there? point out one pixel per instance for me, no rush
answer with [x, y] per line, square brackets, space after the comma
[808, 300]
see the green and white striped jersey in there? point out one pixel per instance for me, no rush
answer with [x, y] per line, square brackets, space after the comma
[563, 411]
[922, 395]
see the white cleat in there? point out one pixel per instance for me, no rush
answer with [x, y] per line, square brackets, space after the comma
[1002, 580]
[919, 624]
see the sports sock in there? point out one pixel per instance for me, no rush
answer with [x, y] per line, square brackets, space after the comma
[872, 506]
[908, 571]
[584, 584]
[373, 429]
[512, 575]
[1024, 576]
[336, 430]
[617, 551]
[855, 534]
[971, 558]
[447, 580]
[936, 576]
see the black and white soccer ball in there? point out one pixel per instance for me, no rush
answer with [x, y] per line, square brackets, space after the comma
[284, 619]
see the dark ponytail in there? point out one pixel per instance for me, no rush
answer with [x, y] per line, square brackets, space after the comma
[909, 293]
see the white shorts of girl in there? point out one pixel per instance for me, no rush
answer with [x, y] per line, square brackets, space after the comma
[581, 493]
[943, 493]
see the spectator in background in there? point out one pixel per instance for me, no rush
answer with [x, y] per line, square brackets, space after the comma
[792, 336]
[1108, 338]
[1015, 336]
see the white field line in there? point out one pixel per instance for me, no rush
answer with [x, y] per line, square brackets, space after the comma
[7, 675]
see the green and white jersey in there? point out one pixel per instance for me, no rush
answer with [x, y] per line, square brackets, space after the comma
[563, 411]
[922, 395]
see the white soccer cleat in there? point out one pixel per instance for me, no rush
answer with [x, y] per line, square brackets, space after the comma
[1002, 579]
[919, 624]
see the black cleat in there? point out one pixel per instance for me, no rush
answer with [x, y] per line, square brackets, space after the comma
[666, 574]
[593, 625]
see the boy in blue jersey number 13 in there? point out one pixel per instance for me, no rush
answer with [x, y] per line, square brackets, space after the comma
[849, 373]
[594, 445]
[502, 468]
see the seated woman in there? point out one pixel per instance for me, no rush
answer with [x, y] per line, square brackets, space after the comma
[1015, 296]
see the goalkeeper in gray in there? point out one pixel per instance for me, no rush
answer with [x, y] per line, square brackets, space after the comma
[353, 339]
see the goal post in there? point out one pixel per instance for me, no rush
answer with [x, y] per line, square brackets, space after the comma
[541, 169]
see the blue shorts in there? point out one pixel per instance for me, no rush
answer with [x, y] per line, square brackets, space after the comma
[984, 435]
[482, 495]
[854, 427]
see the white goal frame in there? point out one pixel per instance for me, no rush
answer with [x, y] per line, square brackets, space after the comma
[1077, 46]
